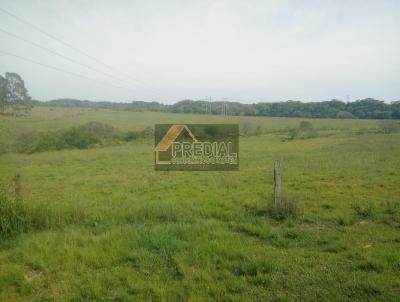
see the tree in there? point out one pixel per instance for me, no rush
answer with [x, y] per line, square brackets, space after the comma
[395, 110]
[16, 95]
[3, 94]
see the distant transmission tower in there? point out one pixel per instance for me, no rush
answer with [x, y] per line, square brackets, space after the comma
[225, 107]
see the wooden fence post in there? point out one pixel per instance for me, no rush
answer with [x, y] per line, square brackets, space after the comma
[277, 184]
[17, 181]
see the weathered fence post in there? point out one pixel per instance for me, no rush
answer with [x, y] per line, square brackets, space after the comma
[277, 184]
[17, 181]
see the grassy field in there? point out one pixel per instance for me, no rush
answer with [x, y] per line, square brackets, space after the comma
[106, 226]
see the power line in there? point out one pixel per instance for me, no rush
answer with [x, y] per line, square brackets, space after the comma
[60, 69]
[61, 55]
[65, 43]
[51, 36]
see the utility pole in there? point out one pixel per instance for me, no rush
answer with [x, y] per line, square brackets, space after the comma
[225, 106]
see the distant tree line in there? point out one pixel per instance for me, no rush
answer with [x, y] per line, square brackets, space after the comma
[134, 106]
[14, 97]
[363, 109]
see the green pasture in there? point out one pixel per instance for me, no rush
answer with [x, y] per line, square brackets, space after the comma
[100, 224]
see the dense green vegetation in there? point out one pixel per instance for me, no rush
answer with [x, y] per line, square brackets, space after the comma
[85, 136]
[364, 109]
[100, 224]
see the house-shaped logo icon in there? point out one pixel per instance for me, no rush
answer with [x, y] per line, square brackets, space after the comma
[165, 143]
[196, 147]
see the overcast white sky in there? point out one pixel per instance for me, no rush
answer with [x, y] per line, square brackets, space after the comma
[246, 51]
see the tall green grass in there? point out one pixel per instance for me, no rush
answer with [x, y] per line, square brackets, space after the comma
[13, 217]
[17, 217]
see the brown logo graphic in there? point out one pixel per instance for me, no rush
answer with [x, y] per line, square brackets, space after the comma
[196, 147]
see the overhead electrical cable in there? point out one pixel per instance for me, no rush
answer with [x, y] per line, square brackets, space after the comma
[61, 55]
[60, 69]
[53, 37]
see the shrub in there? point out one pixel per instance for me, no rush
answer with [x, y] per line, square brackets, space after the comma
[305, 126]
[131, 135]
[79, 138]
[89, 134]
[100, 130]
[249, 129]
[292, 134]
[304, 130]
[48, 141]
[82, 137]
[27, 142]
[307, 129]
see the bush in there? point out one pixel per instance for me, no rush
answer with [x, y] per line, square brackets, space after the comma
[249, 129]
[27, 142]
[307, 129]
[48, 141]
[100, 130]
[79, 138]
[82, 137]
[305, 126]
[131, 135]
[304, 130]
[292, 134]
[89, 134]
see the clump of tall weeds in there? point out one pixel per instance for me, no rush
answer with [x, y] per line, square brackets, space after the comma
[17, 217]
[13, 216]
[288, 208]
